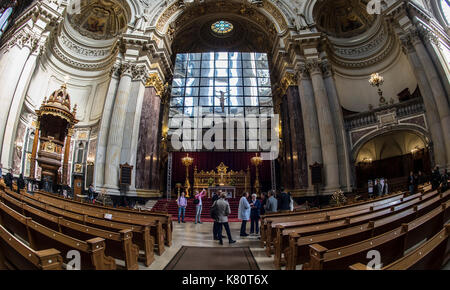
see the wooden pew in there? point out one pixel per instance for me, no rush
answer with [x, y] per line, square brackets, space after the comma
[92, 251]
[431, 255]
[16, 255]
[298, 252]
[164, 218]
[269, 223]
[156, 225]
[118, 244]
[285, 230]
[390, 245]
[141, 235]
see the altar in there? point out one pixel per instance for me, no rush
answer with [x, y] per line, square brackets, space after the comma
[229, 190]
[233, 182]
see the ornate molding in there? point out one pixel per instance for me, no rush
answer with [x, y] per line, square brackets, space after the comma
[289, 79]
[155, 81]
[73, 47]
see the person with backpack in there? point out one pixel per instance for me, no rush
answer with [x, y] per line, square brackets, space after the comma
[213, 214]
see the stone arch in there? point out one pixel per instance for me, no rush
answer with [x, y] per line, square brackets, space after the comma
[420, 132]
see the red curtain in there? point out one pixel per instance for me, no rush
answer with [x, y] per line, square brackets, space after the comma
[210, 160]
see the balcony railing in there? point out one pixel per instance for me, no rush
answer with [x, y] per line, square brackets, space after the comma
[403, 109]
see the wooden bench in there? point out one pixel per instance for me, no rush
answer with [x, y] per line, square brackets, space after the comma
[164, 218]
[141, 235]
[269, 223]
[16, 255]
[391, 245]
[431, 255]
[298, 252]
[118, 244]
[92, 252]
[285, 230]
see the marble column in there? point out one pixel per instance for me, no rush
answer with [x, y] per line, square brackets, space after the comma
[104, 127]
[34, 152]
[65, 170]
[440, 97]
[326, 127]
[431, 114]
[15, 109]
[147, 163]
[10, 76]
[298, 149]
[310, 121]
[116, 130]
[339, 130]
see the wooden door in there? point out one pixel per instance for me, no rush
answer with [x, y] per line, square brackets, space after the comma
[77, 186]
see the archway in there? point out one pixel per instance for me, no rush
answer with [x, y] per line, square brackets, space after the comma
[250, 31]
[392, 156]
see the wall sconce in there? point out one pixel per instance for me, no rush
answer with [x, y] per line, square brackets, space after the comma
[377, 81]
[367, 160]
[90, 160]
[415, 150]
[19, 145]
[147, 158]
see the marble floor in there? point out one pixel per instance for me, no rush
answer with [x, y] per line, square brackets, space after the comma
[190, 234]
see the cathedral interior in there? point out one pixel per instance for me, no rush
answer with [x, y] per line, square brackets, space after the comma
[143, 99]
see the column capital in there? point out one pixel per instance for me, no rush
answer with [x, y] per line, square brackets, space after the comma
[155, 81]
[127, 69]
[314, 66]
[327, 68]
[302, 73]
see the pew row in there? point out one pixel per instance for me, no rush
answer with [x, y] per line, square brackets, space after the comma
[270, 222]
[92, 252]
[391, 246]
[431, 255]
[118, 244]
[287, 231]
[16, 255]
[140, 235]
[163, 218]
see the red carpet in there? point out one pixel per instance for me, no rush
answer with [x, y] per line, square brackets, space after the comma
[171, 207]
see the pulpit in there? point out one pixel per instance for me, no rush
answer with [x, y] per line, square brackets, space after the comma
[53, 133]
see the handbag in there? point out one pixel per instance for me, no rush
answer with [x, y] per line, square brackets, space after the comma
[196, 201]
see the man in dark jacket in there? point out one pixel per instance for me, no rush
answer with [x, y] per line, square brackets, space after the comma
[216, 225]
[9, 180]
[255, 206]
[435, 178]
[20, 183]
[285, 202]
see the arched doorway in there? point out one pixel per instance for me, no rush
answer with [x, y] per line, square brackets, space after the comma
[221, 44]
[392, 156]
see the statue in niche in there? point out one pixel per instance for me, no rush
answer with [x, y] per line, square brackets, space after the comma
[142, 21]
[351, 21]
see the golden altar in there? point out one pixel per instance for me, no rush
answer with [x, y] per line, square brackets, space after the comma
[240, 180]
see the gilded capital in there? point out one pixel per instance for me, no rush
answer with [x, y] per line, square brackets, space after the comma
[155, 81]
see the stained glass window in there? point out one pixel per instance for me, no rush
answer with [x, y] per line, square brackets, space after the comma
[445, 5]
[226, 84]
[222, 27]
[4, 19]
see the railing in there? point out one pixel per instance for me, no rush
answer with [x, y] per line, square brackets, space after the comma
[402, 109]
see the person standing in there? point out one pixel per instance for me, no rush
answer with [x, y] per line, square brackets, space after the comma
[20, 183]
[444, 181]
[244, 213]
[435, 178]
[91, 193]
[215, 197]
[263, 204]
[182, 204]
[411, 182]
[255, 205]
[198, 207]
[284, 202]
[291, 202]
[420, 178]
[223, 211]
[271, 204]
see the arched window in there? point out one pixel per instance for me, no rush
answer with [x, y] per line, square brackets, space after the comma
[4, 19]
[445, 7]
